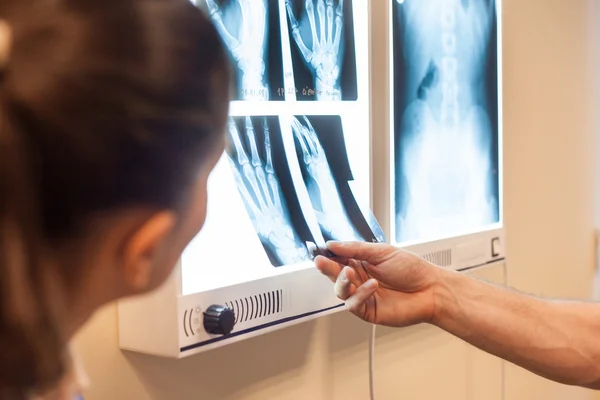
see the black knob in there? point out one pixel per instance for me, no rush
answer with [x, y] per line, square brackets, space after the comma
[219, 320]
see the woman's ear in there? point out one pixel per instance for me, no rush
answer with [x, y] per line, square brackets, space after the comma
[141, 252]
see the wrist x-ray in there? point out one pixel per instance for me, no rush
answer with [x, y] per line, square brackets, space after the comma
[322, 44]
[251, 32]
[445, 117]
[271, 192]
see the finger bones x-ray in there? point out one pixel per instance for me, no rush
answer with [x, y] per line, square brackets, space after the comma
[260, 189]
[323, 189]
[445, 117]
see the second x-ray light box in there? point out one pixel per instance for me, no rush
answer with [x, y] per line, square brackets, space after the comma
[446, 130]
[296, 173]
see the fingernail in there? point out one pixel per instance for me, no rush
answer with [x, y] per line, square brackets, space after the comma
[332, 242]
[344, 276]
[371, 284]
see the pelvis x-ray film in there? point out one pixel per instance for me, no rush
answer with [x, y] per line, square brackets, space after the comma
[293, 176]
[445, 117]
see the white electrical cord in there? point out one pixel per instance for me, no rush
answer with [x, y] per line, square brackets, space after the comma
[372, 362]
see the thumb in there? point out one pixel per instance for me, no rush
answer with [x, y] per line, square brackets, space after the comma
[373, 253]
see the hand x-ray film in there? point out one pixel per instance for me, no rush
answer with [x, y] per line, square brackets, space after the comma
[263, 178]
[295, 173]
[322, 47]
[288, 49]
[327, 176]
[291, 212]
[445, 118]
[251, 32]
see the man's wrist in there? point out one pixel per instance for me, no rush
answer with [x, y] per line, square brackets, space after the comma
[445, 280]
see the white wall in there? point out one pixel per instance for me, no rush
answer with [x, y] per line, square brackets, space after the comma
[550, 125]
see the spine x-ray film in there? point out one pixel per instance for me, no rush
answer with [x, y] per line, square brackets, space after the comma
[445, 118]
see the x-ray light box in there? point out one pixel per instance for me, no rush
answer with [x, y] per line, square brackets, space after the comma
[296, 173]
[446, 130]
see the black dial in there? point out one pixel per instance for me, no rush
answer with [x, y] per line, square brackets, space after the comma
[219, 320]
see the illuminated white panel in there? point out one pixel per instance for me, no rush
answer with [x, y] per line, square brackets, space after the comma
[297, 170]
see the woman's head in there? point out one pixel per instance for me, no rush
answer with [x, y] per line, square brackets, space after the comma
[112, 115]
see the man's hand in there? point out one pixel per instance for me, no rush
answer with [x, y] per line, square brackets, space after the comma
[385, 285]
[382, 284]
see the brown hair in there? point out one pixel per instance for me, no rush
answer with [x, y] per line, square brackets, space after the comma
[103, 104]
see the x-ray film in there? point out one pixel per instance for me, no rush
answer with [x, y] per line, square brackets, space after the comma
[294, 184]
[262, 175]
[445, 118]
[321, 33]
[327, 177]
[251, 32]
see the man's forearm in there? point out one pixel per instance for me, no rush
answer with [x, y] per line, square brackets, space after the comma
[556, 339]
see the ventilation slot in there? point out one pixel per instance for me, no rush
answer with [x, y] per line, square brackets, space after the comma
[442, 258]
[257, 306]
[188, 327]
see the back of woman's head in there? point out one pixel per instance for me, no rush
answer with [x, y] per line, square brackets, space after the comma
[103, 104]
